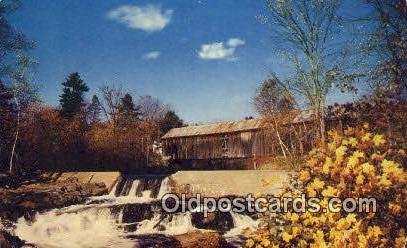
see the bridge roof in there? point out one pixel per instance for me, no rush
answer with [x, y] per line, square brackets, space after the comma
[232, 127]
[216, 128]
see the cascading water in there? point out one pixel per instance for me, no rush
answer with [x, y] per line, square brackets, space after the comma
[170, 225]
[90, 228]
[240, 223]
[131, 209]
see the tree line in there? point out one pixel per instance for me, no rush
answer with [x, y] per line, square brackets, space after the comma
[111, 131]
[329, 52]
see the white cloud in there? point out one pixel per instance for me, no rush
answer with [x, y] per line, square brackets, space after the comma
[218, 50]
[152, 55]
[234, 42]
[215, 51]
[149, 18]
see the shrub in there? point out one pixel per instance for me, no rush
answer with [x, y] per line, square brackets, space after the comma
[356, 164]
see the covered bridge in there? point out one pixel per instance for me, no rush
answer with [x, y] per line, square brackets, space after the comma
[239, 141]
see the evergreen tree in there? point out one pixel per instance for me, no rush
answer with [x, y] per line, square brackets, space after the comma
[71, 99]
[127, 110]
[94, 110]
[170, 120]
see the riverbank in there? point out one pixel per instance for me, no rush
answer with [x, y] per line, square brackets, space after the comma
[130, 214]
[36, 196]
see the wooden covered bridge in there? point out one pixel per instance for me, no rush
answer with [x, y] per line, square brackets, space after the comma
[231, 144]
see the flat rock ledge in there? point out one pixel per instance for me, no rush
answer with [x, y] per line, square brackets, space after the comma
[28, 199]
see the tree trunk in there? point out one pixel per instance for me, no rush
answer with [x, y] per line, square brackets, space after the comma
[282, 145]
[322, 127]
[13, 150]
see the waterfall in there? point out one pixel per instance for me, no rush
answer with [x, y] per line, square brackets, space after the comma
[131, 210]
[170, 225]
[240, 223]
[133, 190]
[90, 228]
[113, 190]
[164, 188]
[146, 187]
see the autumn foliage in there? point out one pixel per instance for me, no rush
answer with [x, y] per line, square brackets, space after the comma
[356, 164]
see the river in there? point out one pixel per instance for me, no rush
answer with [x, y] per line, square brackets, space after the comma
[124, 218]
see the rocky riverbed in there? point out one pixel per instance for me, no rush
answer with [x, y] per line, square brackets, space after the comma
[29, 205]
[25, 198]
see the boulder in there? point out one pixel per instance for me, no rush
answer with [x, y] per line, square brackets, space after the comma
[215, 221]
[200, 240]
[9, 241]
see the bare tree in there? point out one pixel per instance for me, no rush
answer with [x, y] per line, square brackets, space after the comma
[151, 108]
[387, 44]
[25, 93]
[311, 37]
[111, 99]
[275, 103]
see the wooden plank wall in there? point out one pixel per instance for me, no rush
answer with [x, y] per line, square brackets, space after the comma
[263, 143]
[238, 145]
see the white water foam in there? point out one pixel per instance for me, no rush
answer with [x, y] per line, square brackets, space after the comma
[170, 225]
[164, 188]
[133, 190]
[91, 228]
[94, 225]
[240, 223]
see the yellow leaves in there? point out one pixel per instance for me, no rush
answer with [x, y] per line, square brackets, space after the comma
[366, 137]
[311, 188]
[353, 142]
[349, 131]
[400, 241]
[249, 243]
[304, 176]
[295, 231]
[378, 140]
[287, 237]
[330, 192]
[351, 218]
[384, 181]
[312, 161]
[327, 165]
[360, 179]
[302, 243]
[362, 241]
[318, 184]
[293, 217]
[394, 208]
[368, 169]
[339, 153]
[359, 165]
[319, 241]
[391, 167]
[354, 158]
[265, 242]
[366, 125]
[345, 223]
[391, 170]
[374, 232]
[259, 239]
[342, 224]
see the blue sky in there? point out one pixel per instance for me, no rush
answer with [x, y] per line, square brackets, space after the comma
[204, 58]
